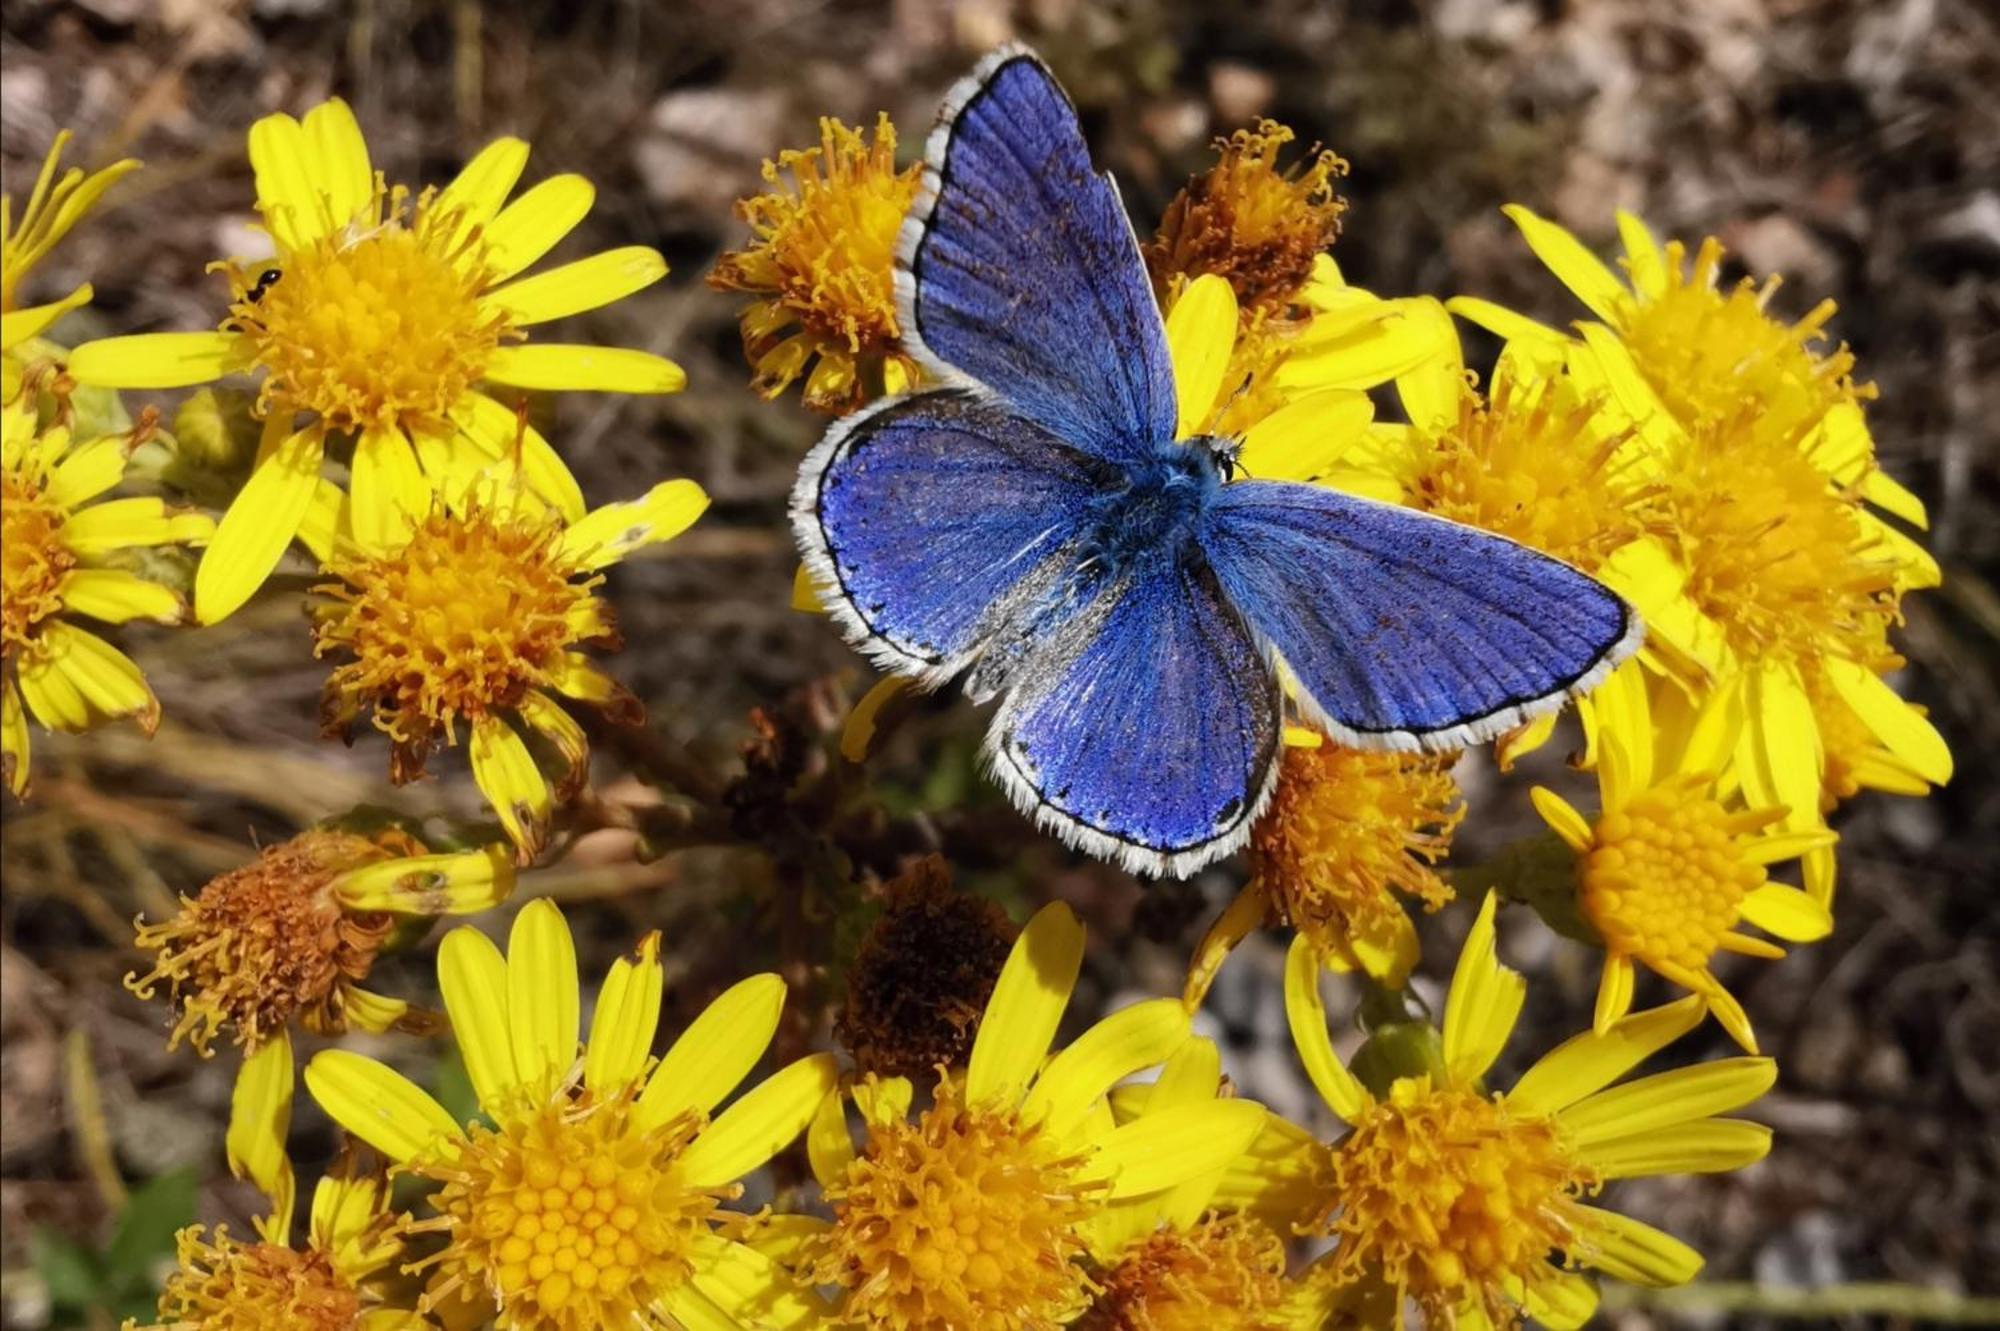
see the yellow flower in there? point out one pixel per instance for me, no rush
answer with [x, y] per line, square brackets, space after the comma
[53, 207]
[1260, 229]
[1345, 832]
[1173, 1261]
[61, 556]
[821, 264]
[977, 1213]
[472, 615]
[295, 932]
[1669, 868]
[334, 1282]
[592, 1195]
[380, 318]
[1471, 1201]
[1290, 390]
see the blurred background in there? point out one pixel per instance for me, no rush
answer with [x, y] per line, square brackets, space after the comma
[1854, 147]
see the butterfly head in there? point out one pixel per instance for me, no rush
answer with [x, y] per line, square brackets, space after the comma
[1222, 453]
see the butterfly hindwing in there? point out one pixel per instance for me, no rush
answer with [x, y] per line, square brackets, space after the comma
[1146, 731]
[1017, 267]
[926, 519]
[1404, 630]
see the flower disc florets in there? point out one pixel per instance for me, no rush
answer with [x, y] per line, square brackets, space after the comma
[1226, 1273]
[224, 1285]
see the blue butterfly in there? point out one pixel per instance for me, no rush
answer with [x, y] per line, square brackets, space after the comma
[1033, 526]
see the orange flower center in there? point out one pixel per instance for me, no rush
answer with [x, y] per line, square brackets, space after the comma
[378, 325]
[473, 612]
[1225, 1274]
[1447, 1195]
[33, 559]
[230, 1286]
[966, 1218]
[1667, 877]
[571, 1217]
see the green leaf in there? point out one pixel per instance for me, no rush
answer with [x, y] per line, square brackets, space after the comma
[69, 1271]
[158, 1209]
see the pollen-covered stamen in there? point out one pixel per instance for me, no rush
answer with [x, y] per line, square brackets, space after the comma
[822, 260]
[1343, 830]
[1446, 1194]
[966, 1218]
[1531, 465]
[1703, 349]
[474, 611]
[1666, 876]
[223, 1285]
[571, 1216]
[269, 941]
[1776, 556]
[1250, 223]
[1226, 1273]
[33, 558]
[378, 324]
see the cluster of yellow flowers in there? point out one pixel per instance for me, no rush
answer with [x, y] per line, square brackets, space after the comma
[1707, 460]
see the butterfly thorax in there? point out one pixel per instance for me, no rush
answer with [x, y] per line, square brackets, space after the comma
[1157, 510]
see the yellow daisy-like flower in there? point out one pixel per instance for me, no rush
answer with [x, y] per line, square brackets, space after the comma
[1773, 577]
[976, 1215]
[1260, 229]
[1172, 1261]
[1292, 391]
[295, 933]
[1470, 1201]
[53, 208]
[594, 1196]
[1346, 832]
[61, 557]
[334, 1282]
[473, 615]
[821, 264]
[1669, 868]
[381, 317]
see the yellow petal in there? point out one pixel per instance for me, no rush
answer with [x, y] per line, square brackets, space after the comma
[1778, 757]
[478, 190]
[1636, 1253]
[14, 740]
[500, 432]
[1305, 1011]
[1307, 435]
[109, 681]
[457, 883]
[366, 1010]
[530, 226]
[1788, 913]
[1903, 730]
[1614, 993]
[472, 976]
[1132, 1038]
[716, 1052]
[542, 998]
[513, 785]
[1160, 1151]
[751, 1287]
[341, 167]
[571, 288]
[1585, 1064]
[1643, 258]
[1193, 1074]
[857, 734]
[627, 1017]
[1565, 1303]
[829, 1145]
[260, 1116]
[1503, 322]
[1666, 1099]
[1201, 333]
[343, 1210]
[1484, 1002]
[1431, 392]
[1562, 818]
[1574, 266]
[388, 493]
[606, 535]
[50, 697]
[292, 202]
[116, 596]
[556, 366]
[1373, 352]
[260, 523]
[154, 360]
[88, 471]
[1025, 1008]
[1706, 1146]
[1243, 915]
[806, 596]
[381, 1107]
[764, 1122]
[17, 326]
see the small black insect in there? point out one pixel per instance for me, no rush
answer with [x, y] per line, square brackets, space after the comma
[265, 281]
